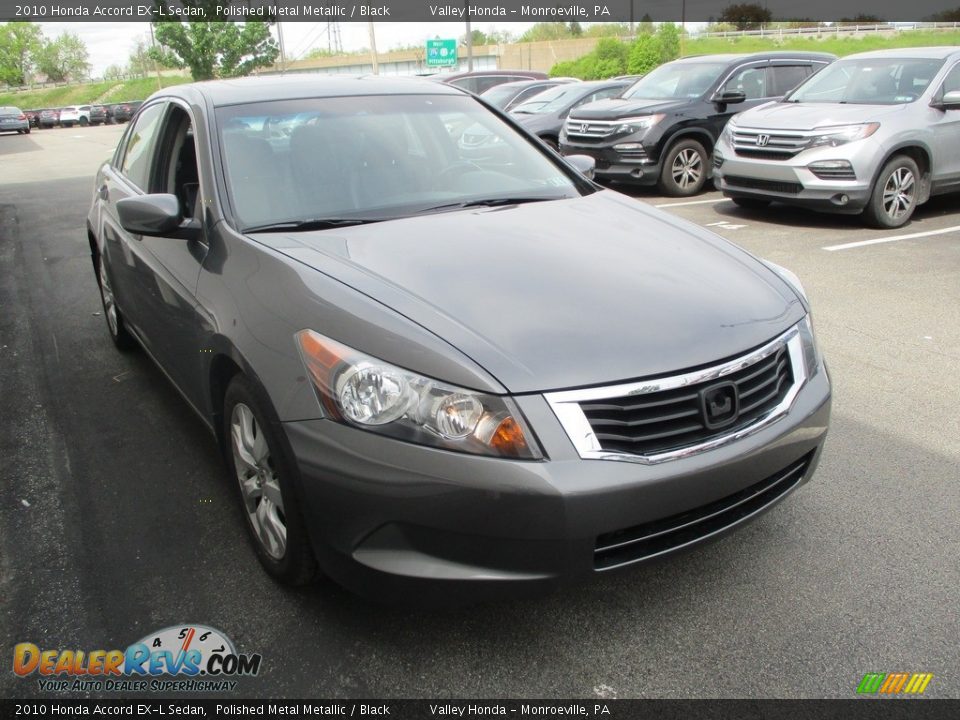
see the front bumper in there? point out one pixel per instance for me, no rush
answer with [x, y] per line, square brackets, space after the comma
[635, 168]
[793, 182]
[393, 520]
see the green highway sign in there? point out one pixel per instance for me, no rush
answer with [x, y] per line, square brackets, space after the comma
[441, 53]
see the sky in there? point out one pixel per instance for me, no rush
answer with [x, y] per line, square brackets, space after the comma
[110, 43]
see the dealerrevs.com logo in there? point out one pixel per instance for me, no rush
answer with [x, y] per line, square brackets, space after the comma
[179, 658]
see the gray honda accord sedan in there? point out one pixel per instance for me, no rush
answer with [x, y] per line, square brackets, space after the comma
[427, 374]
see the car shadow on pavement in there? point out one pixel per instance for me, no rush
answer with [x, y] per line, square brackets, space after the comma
[14, 143]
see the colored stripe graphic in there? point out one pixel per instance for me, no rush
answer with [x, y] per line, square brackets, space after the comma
[894, 683]
[871, 683]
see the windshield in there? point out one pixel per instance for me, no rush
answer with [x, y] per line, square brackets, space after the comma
[552, 100]
[376, 158]
[500, 95]
[879, 81]
[676, 81]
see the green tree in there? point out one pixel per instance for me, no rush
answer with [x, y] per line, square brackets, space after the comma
[546, 31]
[479, 37]
[669, 36]
[115, 72]
[215, 49]
[20, 43]
[576, 29]
[611, 56]
[65, 58]
[746, 16]
[645, 54]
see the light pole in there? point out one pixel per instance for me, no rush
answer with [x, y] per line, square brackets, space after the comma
[373, 48]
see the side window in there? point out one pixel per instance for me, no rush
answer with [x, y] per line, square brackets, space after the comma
[529, 93]
[951, 83]
[751, 81]
[486, 82]
[787, 77]
[606, 93]
[140, 146]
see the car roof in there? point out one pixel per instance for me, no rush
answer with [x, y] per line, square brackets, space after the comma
[935, 53]
[520, 84]
[447, 77]
[308, 85]
[771, 55]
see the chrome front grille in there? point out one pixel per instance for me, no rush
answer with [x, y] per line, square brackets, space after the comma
[590, 129]
[652, 421]
[770, 145]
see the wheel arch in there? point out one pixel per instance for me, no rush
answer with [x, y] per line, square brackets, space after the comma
[921, 155]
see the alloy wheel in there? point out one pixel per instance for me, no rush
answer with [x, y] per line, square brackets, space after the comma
[259, 484]
[687, 168]
[899, 193]
[109, 305]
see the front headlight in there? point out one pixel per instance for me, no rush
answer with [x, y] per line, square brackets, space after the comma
[639, 124]
[811, 353]
[842, 134]
[729, 130]
[360, 390]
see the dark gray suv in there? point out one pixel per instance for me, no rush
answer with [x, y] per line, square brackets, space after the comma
[426, 372]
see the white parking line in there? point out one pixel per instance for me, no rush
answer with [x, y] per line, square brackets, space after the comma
[877, 241]
[691, 202]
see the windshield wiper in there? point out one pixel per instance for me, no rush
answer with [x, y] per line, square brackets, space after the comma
[311, 224]
[489, 202]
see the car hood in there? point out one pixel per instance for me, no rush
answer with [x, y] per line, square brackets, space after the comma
[616, 108]
[539, 122]
[807, 116]
[561, 294]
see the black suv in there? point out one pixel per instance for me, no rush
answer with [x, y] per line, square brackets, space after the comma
[663, 128]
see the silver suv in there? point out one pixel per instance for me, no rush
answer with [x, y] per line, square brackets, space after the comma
[876, 133]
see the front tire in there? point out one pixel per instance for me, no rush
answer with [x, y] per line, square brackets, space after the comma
[894, 196]
[116, 326]
[84, 122]
[263, 469]
[684, 170]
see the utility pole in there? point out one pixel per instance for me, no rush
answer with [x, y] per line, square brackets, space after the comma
[373, 49]
[469, 37]
[156, 67]
[283, 53]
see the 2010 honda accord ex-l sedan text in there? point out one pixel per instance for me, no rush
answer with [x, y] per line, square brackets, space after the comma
[432, 373]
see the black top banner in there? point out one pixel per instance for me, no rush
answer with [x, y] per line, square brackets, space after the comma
[527, 709]
[477, 11]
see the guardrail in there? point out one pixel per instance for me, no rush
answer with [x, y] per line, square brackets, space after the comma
[830, 30]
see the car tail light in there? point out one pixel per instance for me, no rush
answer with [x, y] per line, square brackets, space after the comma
[22, 117]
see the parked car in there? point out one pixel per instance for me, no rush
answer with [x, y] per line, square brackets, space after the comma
[876, 133]
[507, 95]
[122, 112]
[75, 115]
[33, 117]
[545, 114]
[479, 81]
[49, 118]
[662, 130]
[98, 115]
[426, 372]
[14, 119]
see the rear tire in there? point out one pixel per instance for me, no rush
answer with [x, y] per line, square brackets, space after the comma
[685, 168]
[894, 196]
[263, 469]
[750, 203]
[84, 122]
[119, 334]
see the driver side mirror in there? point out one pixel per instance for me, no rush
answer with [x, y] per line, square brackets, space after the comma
[583, 164]
[949, 101]
[156, 215]
[730, 97]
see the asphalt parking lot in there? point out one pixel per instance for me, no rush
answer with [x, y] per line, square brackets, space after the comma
[116, 517]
